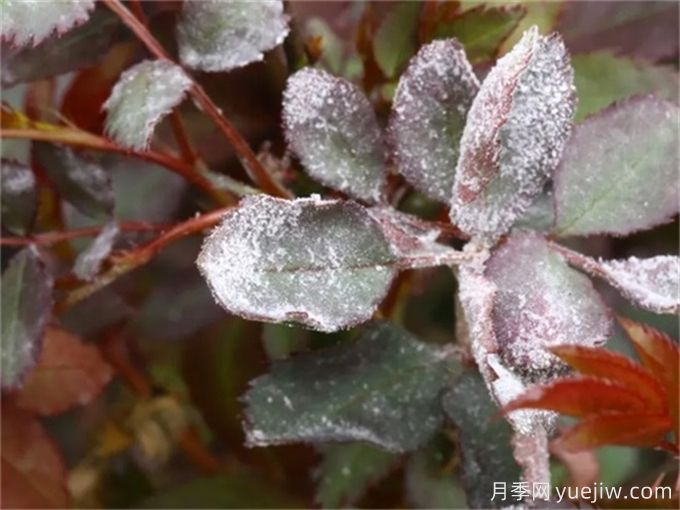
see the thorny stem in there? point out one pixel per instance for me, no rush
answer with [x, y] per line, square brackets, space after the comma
[49, 238]
[252, 165]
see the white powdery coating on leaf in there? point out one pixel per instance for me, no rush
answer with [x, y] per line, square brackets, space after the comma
[90, 260]
[323, 263]
[517, 127]
[143, 95]
[31, 21]
[428, 115]
[219, 35]
[17, 178]
[332, 128]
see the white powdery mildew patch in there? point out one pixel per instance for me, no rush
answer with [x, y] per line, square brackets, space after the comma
[90, 260]
[31, 21]
[17, 179]
[323, 263]
[219, 35]
[428, 115]
[143, 95]
[517, 128]
[332, 128]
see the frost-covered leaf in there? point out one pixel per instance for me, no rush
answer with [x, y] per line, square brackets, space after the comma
[384, 388]
[215, 35]
[347, 470]
[515, 132]
[428, 116]
[68, 373]
[395, 39]
[602, 78]
[619, 172]
[26, 307]
[143, 95]
[83, 182]
[545, 303]
[540, 215]
[485, 441]
[27, 22]
[18, 196]
[332, 128]
[324, 263]
[89, 261]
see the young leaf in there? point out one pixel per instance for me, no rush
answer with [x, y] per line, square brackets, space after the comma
[619, 170]
[347, 470]
[68, 373]
[332, 128]
[83, 182]
[516, 129]
[89, 261]
[428, 115]
[546, 303]
[322, 263]
[214, 35]
[18, 196]
[33, 472]
[26, 307]
[25, 22]
[383, 388]
[144, 94]
[395, 39]
[485, 440]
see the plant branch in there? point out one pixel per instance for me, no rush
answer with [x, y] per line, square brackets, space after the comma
[254, 168]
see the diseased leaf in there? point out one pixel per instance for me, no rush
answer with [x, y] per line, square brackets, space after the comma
[347, 470]
[428, 115]
[79, 48]
[322, 263]
[540, 215]
[395, 39]
[214, 35]
[143, 95]
[383, 388]
[26, 307]
[545, 303]
[602, 78]
[515, 132]
[68, 373]
[619, 170]
[89, 261]
[332, 128]
[29, 22]
[83, 182]
[18, 196]
[485, 441]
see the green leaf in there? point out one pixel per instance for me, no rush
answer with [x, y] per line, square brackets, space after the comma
[482, 30]
[618, 174]
[484, 441]
[383, 388]
[332, 128]
[602, 78]
[282, 340]
[323, 263]
[18, 196]
[540, 215]
[26, 307]
[347, 470]
[82, 182]
[90, 260]
[214, 35]
[395, 39]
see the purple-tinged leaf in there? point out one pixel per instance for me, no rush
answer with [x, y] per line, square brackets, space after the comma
[216, 35]
[27, 22]
[428, 116]
[619, 173]
[26, 307]
[332, 128]
[514, 135]
[541, 302]
[89, 261]
[18, 196]
[143, 95]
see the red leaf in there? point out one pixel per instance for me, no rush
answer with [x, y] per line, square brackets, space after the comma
[33, 473]
[582, 396]
[68, 373]
[605, 364]
[628, 429]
